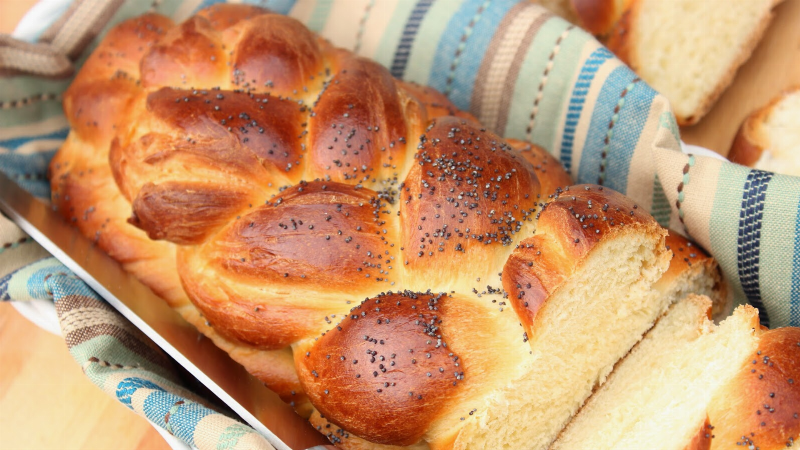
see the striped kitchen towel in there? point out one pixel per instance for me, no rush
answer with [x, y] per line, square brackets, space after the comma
[523, 72]
[122, 361]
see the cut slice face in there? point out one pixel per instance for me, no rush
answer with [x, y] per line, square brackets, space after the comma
[682, 54]
[589, 271]
[661, 391]
[693, 271]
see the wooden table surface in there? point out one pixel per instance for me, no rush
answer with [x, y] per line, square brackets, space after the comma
[45, 400]
[47, 403]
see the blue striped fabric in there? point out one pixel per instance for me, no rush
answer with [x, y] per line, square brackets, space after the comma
[577, 100]
[147, 375]
[400, 60]
[320, 15]
[748, 257]
[184, 419]
[181, 415]
[602, 115]
[15, 143]
[4, 294]
[37, 285]
[63, 283]
[794, 299]
[449, 52]
[562, 43]
[207, 3]
[461, 81]
[41, 270]
[127, 387]
[660, 208]
[279, 6]
[29, 171]
[634, 115]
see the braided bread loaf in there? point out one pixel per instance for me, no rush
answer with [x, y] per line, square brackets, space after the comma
[485, 281]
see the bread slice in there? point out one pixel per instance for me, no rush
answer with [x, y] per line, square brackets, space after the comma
[689, 50]
[769, 139]
[588, 271]
[658, 397]
[673, 45]
[693, 271]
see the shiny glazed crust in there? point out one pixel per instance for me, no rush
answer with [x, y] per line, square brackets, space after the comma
[191, 172]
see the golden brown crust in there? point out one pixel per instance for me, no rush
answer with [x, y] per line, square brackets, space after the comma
[702, 439]
[240, 319]
[223, 16]
[278, 54]
[464, 199]
[569, 228]
[347, 441]
[316, 240]
[760, 407]
[444, 326]
[746, 149]
[750, 142]
[263, 125]
[319, 235]
[596, 16]
[549, 171]
[390, 352]
[185, 213]
[690, 265]
[186, 52]
[619, 38]
[358, 131]
[99, 109]
[436, 104]
[96, 104]
[685, 254]
[84, 190]
[251, 142]
[98, 99]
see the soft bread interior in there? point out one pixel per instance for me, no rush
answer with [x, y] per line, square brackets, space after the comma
[700, 278]
[610, 295]
[661, 391]
[779, 135]
[699, 281]
[689, 50]
[692, 271]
